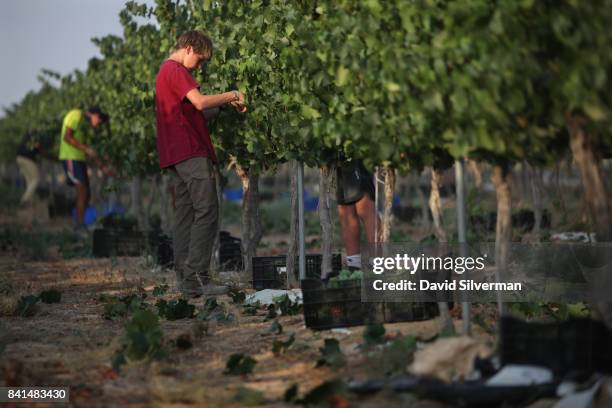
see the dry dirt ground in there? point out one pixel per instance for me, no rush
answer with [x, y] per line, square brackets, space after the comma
[71, 344]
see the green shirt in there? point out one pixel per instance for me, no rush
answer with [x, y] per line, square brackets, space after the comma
[75, 120]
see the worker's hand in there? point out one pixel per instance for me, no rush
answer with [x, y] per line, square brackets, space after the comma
[239, 107]
[90, 152]
[240, 96]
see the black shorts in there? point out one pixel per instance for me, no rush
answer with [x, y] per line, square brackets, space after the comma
[353, 181]
[76, 172]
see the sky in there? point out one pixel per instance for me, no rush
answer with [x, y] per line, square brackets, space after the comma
[51, 34]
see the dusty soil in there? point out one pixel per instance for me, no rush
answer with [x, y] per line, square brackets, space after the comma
[71, 344]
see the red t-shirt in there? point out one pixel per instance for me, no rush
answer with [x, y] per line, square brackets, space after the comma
[181, 128]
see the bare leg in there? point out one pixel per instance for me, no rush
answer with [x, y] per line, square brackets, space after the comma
[366, 210]
[349, 222]
[81, 202]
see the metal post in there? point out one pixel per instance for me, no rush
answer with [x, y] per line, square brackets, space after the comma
[376, 226]
[462, 233]
[301, 241]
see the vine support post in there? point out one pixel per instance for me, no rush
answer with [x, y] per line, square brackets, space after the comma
[292, 252]
[325, 180]
[435, 206]
[251, 222]
[376, 203]
[301, 240]
[462, 233]
[446, 321]
[503, 227]
[390, 180]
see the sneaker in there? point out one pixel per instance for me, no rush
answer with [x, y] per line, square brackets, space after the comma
[211, 290]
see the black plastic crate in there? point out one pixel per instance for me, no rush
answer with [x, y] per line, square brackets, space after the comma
[270, 272]
[410, 311]
[164, 254]
[230, 257]
[571, 346]
[337, 306]
[313, 265]
[229, 249]
[111, 242]
[226, 238]
[119, 222]
[230, 252]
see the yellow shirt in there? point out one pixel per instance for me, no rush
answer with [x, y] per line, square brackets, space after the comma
[75, 119]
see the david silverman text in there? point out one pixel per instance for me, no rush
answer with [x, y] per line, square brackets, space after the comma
[446, 285]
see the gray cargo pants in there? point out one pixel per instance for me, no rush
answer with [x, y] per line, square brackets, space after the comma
[195, 222]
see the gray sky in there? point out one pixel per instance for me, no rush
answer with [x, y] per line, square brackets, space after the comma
[52, 34]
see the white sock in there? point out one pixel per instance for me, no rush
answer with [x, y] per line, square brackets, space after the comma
[354, 261]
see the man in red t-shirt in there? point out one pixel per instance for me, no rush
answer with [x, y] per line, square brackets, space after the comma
[185, 149]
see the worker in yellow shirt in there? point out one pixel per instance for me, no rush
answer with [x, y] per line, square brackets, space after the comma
[74, 151]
